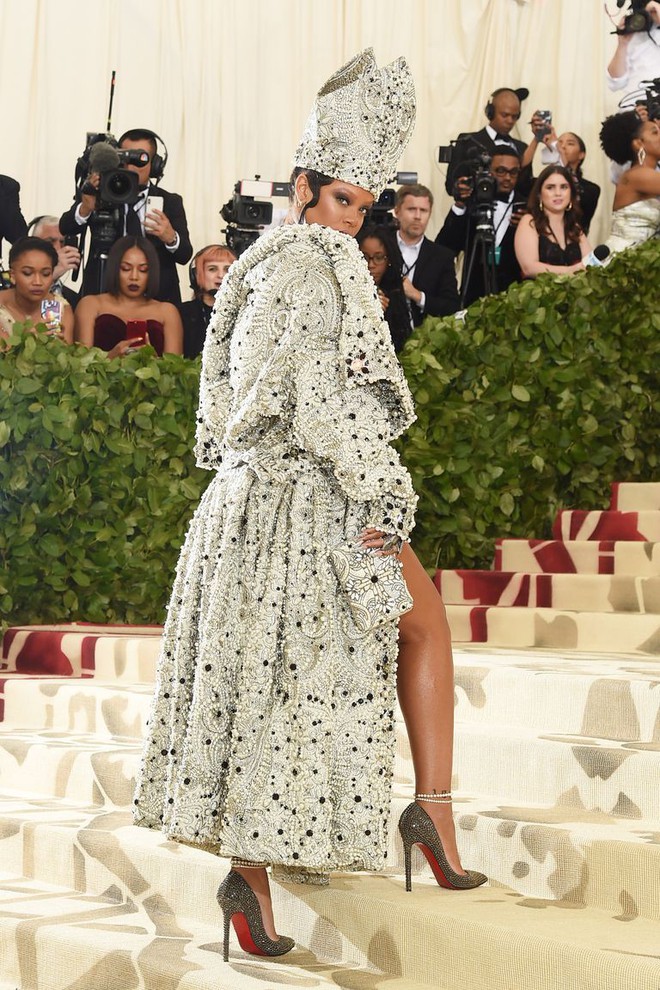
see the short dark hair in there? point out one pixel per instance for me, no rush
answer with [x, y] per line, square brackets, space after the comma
[116, 255]
[617, 134]
[140, 134]
[506, 151]
[25, 244]
[416, 189]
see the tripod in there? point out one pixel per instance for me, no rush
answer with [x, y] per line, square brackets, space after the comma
[483, 247]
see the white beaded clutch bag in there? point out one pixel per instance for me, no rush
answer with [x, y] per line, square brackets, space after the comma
[373, 585]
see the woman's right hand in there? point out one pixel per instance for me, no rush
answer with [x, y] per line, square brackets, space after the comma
[384, 300]
[126, 346]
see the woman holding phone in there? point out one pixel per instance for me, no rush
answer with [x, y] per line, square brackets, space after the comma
[32, 262]
[127, 316]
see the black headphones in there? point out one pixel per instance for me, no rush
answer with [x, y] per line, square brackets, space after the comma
[521, 93]
[33, 223]
[192, 267]
[158, 162]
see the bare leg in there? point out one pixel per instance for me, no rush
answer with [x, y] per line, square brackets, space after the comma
[425, 684]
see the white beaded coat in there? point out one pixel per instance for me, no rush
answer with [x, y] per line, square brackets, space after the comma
[272, 729]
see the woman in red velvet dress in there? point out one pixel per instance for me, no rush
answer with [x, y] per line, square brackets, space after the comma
[104, 320]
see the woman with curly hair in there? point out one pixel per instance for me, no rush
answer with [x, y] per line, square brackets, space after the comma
[549, 237]
[629, 140]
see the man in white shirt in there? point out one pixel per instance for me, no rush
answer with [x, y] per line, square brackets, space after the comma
[636, 60]
[429, 276]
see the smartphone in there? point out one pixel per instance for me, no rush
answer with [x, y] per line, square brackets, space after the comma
[51, 314]
[136, 329]
[546, 117]
[154, 203]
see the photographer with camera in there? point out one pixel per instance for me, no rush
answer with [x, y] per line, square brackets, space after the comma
[502, 112]
[482, 224]
[112, 207]
[637, 55]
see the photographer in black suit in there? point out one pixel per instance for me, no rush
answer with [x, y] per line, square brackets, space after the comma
[503, 112]
[12, 221]
[429, 275]
[459, 231]
[167, 229]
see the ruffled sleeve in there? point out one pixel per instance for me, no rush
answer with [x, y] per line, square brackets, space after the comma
[351, 396]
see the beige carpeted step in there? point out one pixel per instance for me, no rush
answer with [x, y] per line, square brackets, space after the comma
[81, 649]
[578, 557]
[486, 939]
[551, 629]
[560, 853]
[631, 496]
[580, 694]
[590, 694]
[564, 592]
[52, 938]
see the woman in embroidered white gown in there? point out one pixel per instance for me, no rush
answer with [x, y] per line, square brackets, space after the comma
[629, 140]
[272, 733]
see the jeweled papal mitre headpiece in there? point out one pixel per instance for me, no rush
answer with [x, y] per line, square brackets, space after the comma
[360, 123]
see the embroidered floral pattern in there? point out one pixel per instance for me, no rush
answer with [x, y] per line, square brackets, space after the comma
[271, 731]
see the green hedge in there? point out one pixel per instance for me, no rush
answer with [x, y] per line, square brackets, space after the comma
[97, 481]
[540, 399]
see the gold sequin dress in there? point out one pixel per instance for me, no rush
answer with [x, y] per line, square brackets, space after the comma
[272, 730]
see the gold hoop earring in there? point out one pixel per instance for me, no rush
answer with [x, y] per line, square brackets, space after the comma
[641, 156]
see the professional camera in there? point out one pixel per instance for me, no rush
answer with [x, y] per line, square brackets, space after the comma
[380, 213]
[638, 20]
[652, 89]
[246, 215]
[117, 188]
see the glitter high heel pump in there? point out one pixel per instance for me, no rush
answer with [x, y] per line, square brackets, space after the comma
[417, 829]
[240, 906]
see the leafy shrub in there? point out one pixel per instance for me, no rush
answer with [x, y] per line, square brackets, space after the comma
[540, 399]
[97, 481]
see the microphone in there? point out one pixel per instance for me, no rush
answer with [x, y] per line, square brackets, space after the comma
[597, 256]
[103, 157]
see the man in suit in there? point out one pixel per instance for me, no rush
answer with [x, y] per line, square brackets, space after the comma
[460, 228]
[48, 229]
[12, 221]
[167, 229]
[502, 112]
[429, 276]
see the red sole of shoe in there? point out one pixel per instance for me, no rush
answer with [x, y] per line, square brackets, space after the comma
[245, 940]
[437, 869]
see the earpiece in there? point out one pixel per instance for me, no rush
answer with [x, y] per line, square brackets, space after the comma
[192, 267]
[489, 109]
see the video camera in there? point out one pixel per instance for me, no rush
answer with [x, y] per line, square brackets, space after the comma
[380, 213]
[652, 102]
[638, 19]
[117, 186]
[477, 174]
[246, 215]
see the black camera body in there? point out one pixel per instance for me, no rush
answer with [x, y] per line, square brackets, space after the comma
[652, 89]
[246, 216]
[637, 20]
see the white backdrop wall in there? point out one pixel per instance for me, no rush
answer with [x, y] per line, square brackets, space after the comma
[229, 83]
